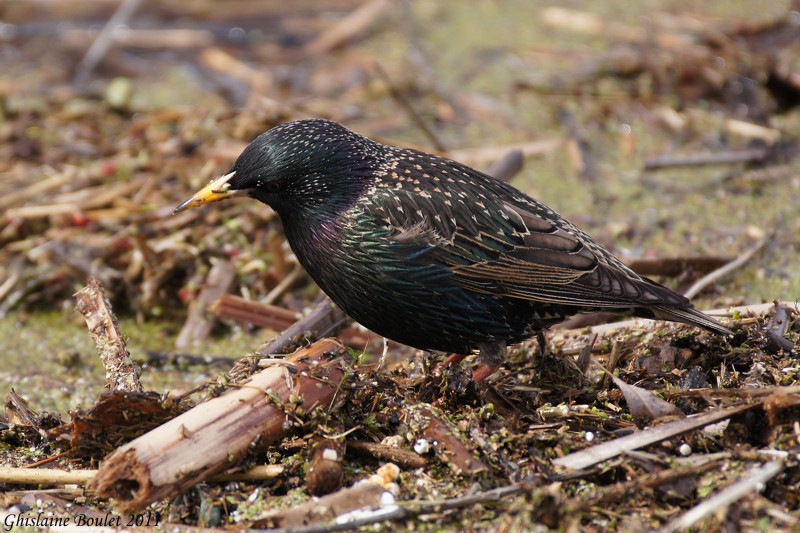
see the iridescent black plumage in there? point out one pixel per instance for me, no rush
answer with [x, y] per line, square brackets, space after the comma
[431, 253]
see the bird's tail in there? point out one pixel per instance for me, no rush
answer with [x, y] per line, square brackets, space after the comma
[690, 315]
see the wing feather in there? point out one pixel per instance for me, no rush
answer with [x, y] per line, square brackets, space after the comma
[503, 243]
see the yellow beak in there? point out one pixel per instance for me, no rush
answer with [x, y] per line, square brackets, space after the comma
[213, 192]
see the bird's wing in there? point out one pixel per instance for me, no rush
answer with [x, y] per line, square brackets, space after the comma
[494, 240]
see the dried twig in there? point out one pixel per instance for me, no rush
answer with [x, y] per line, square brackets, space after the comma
[247, 311]
[325, 320]
[717, 158]
[347, 28]
[602, 452]
[579, 147]
[104, 40]
[199, 323]
[751, 482]
[675, 266]
[121, 372]
[507, 166]
[399, 456]
[411, 509]
[356, 498]
[450, 447]
[284, 285]
[259, 80]
[412, 113]
[723, 271]
[776, 329]
[572, 341]
[486, 155]
[53, 476]
[621, 490]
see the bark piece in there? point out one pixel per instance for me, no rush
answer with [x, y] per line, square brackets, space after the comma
[214, 435]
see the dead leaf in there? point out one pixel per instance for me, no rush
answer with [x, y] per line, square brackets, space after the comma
[645, 406]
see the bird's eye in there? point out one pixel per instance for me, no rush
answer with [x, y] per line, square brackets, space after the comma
[272, 186]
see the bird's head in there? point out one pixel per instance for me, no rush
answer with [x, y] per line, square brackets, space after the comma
[308, 167]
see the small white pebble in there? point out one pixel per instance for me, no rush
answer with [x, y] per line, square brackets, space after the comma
[253, 496]
[387, 499]
[589, 436]
[685, 450]
[422, 446]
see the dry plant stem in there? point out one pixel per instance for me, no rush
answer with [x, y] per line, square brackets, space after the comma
[199, 323]
[450, 447]
[360, 496]
[156, 38]
[121, 372]
[17, 411]
[393, 454]
[214, 435]
[348, 28]
[325, 320]
[718, 158]
[571, 342]
[325, 468]
[48, 476]
[507, 166]
[282, 287]
[480, 157]
[68, 203]
[743, 394]
[579, 144]
[411, 509]
[280, 263]
[752, 481]
[622, 490]
[259, 81]
[607, 450]
[69, 175]
[249, 312]
[734, 265]
[675, 266]
[52, 476]
[412, 113]
[104, 40]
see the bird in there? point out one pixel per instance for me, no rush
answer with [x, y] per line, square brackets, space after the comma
[429, 252]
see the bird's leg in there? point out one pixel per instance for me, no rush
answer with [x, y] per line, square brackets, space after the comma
[454, 358]
[492, 356]
[542, 343]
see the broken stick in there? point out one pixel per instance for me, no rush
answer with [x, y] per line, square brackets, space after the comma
[121, 372]
[214, 435]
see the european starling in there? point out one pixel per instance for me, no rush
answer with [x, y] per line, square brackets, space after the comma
[429, 252]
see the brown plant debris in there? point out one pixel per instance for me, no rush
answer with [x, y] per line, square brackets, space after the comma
[121, 372]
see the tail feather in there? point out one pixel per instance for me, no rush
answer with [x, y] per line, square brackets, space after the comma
[691, 316]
